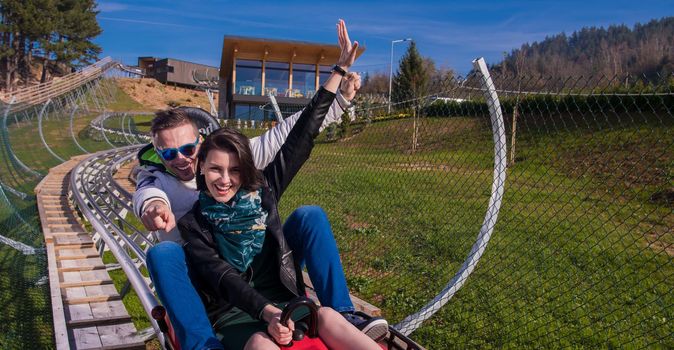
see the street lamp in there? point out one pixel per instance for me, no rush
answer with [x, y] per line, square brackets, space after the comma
[390, 74]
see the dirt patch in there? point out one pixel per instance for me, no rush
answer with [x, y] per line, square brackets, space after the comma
[634, 165]
[354, 225]
[155, 95]
[664, 197]
[658, 243]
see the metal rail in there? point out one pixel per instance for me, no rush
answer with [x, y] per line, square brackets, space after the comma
[96, 196]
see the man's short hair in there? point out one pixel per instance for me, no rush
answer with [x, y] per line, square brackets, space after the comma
[170, 118]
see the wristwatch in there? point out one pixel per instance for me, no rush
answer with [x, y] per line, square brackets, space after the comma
[339, 70]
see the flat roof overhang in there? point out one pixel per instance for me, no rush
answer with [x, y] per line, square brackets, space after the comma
[276, 50]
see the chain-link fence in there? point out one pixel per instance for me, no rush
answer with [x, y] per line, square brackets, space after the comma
[33, 139]
[581, 255]
[579, 173]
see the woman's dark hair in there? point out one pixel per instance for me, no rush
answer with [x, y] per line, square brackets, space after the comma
[230, 140]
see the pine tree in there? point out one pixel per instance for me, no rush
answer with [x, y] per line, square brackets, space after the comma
[76, 27]
[10, 10]
[412, 79]
[62, 30]
[35, 24]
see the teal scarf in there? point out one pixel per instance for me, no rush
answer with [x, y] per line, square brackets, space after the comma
[238, 227]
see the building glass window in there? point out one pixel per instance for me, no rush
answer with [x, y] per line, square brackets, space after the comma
[276, 77]
[324, 73]
[248, 77]
[304, 79]
[245, 111]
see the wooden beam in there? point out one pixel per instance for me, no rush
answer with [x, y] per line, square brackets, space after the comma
[81, 268]
[290, 74]
[60, 329]
[91, 299]
[234, 55]
[102, 321]
[85, 283]
[264, 69]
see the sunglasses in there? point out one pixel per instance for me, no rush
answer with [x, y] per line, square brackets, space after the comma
[169, 154]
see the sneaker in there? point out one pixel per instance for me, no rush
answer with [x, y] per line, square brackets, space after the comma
[374, 327]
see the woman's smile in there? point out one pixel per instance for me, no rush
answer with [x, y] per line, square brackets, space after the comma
[221, 172]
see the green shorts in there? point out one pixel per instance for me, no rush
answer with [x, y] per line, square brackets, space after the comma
[234, 327]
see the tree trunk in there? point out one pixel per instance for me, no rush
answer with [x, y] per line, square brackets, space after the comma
[16, 41]
[22, 64]
[43, 78]
[45, 59]
[29, 54]
[414, 129]
[7, 43]
[4, 46]
[513, 137]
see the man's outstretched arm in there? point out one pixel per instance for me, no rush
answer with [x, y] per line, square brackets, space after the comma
[151, 204]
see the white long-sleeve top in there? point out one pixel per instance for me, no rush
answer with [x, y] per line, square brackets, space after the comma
[154, 183]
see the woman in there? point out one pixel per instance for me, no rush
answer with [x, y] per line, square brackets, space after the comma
[234, 239]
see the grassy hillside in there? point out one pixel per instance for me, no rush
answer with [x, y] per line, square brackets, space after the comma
[575, 259]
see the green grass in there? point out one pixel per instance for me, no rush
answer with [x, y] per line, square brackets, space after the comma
[569, 263]
[26, 319]
[578, 257]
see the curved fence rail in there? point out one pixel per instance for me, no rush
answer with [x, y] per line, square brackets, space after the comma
[42, 125]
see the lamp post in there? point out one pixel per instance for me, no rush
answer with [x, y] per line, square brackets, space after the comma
[390, 74]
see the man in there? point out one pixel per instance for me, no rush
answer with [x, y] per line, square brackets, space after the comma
[166, 190]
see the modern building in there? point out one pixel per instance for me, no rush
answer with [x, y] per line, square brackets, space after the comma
[251, 69]
[176, 72]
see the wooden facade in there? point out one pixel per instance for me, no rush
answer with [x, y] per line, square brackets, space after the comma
[314, 58]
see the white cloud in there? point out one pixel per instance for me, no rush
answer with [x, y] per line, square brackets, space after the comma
[111, 7]
[138, 21]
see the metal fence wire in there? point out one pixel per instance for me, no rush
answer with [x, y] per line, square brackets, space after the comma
[582, 251]
[34, 138]
[481, 212]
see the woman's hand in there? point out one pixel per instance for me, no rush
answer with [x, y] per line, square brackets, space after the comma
[346, 57]
[348, 54]
[281, 334]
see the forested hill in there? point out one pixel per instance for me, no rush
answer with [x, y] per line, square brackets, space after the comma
[646, 50]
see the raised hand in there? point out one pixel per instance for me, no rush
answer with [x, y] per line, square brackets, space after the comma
[348, 53]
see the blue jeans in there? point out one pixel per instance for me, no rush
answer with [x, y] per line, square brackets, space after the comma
[168, 270]
[308, 234]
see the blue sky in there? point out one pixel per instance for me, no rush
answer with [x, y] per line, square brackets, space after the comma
[450, 32]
